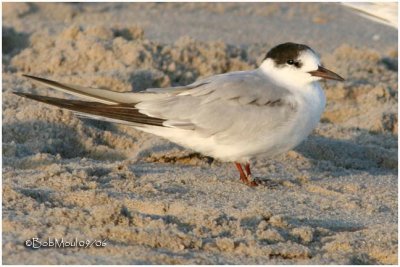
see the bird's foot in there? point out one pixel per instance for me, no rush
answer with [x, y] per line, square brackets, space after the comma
[253, 182]
[271, 184]
[249, 181]
[246, 177]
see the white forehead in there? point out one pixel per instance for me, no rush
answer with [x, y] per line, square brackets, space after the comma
[310, 61]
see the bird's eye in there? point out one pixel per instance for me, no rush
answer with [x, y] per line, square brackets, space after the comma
[290, 62]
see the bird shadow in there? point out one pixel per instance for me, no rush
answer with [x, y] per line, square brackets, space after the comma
[333, 225]
[13, 42]
[374, 156]
[373, 153]
[26, 138]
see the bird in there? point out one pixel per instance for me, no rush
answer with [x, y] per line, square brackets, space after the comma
[233, 117]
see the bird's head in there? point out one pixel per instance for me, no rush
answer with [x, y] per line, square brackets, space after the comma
[295, 65]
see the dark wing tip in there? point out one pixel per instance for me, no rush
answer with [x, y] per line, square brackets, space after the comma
[36, 78]
[118, 112]
[34, 97]
[20, 94]
[29, 76]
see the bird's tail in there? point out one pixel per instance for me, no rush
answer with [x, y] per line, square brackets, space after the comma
[105, 105]
[118, 113]
[98, 95]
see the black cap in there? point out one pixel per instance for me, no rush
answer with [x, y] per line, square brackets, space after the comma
[284, 52]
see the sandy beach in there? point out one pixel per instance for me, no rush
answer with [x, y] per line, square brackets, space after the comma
[331, 200]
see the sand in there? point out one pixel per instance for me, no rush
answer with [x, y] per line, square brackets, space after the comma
[332, 200]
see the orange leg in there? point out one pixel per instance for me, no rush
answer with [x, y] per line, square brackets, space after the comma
[243, 177]
[247, 167]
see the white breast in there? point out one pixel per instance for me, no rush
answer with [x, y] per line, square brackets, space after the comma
[242, 146]
[311, 103]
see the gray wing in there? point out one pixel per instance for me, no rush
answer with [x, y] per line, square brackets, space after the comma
[218, 106]
[222, 103]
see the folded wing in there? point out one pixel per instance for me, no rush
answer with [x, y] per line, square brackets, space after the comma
[210, 106]
[219, 105]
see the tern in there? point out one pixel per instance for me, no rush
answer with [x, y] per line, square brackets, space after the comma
[232, 117]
